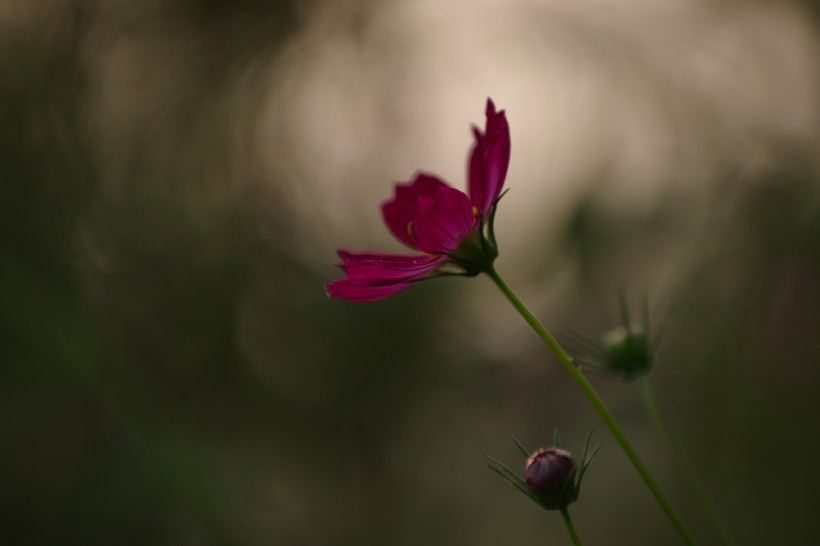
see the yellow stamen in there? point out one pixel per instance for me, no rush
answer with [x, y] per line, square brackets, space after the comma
[412, 232]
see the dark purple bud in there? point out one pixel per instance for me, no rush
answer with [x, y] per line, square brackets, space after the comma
[551, 473]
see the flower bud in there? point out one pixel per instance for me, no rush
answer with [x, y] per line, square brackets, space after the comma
[551, 478]
[628, 352]
[551, 473]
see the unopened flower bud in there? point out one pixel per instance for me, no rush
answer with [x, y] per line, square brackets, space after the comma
[551, 477]
[628, 352]
[551, 473]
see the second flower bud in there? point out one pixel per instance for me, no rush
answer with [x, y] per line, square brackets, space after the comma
[551, 472]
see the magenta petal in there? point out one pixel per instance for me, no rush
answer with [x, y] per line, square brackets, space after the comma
[373, 276]
[385, 257]
[496, 162]
[382, 271]
[433, 238]
[456, 207]
[443, 223]
[489, 160]
[380, 267]
[403, 209]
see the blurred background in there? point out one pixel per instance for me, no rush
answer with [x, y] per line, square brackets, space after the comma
[176, 175]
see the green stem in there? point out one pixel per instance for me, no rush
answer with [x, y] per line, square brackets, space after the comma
[600, 406]
[651, 402]
[573, 534]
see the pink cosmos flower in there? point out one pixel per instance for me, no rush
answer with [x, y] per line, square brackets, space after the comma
[443, 223]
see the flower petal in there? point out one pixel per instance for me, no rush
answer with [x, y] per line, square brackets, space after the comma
[374, 276]
[456, 206]
[387, 268]
[386, 258]
[443, 223]
[489, 159]
[403, 209]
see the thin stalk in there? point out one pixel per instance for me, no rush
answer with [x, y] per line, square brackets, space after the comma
[573, 534]
[645, 390]
[600, 406]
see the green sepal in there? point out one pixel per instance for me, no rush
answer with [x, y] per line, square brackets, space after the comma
[520, 447]
[573, 484]
[502, 470]
[491, 220]
[659, 334]
[625, 313]
[585, 462]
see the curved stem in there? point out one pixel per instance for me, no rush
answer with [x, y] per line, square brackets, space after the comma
[600, 406]
[652, 407]
[573, 534]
